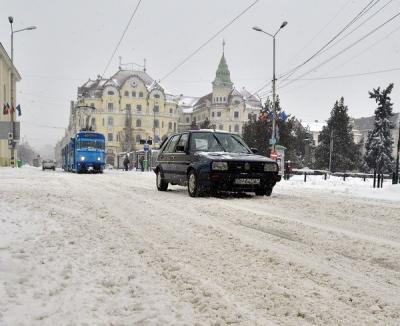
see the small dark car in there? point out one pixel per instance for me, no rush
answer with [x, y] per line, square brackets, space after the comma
[208, 161]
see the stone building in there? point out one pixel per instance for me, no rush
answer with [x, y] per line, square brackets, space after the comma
[226, 107]
[7, 85]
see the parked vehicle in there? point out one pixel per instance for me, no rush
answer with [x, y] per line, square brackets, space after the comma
[84, 153]
[48, 165]
[207, 160]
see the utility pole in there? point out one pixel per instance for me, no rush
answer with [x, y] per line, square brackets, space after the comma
[398, 153]
[330, 152]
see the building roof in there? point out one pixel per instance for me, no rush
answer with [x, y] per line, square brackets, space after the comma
[313, 126]
[223, 75]
[4, 53]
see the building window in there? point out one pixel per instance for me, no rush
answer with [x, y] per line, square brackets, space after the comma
[169, 125]
[156, 124]
[128, 107]
[92, 105]
[138, 123]
[213, 114]
[237, 102]
[110, 137]
[236, 114]
[156, 109]
[218, 114]
[138, 137]
[221, 127]
[110, 93]
[174, 126]
[133, 94]
[236, 128]
[93, 124]
[187, 119]
[110, 121]
[224, 99]
[230, 128]
[103, 122]
[171, 111]
[110, 107]
[140, 94]
[156, 96]
[126, 93]
[139, 108]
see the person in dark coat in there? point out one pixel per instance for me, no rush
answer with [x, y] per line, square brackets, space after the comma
[126, 163]
[141, 162]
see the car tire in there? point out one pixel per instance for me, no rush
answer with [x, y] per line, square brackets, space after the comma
[260, 192]
[193, 184]
[268, 191]
[162, 185]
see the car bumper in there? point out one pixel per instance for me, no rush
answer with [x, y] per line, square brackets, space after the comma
[238, 181]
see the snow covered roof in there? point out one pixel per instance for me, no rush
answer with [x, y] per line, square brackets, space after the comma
[120, 77]
[188, 101]
[315, 126]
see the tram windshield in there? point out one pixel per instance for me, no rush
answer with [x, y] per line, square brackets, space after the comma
[91, 144]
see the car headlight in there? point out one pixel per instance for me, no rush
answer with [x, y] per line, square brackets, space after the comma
[219, 166]
[270, 167]
[82, 158]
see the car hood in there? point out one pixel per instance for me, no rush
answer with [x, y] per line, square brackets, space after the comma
[226, 156]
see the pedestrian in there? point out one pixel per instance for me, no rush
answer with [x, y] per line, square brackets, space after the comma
[141, 162]
[126, 162]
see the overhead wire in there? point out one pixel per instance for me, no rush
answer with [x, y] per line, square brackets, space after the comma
[208, 41]
[122, 37]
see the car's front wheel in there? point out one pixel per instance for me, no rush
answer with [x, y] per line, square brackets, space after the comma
[260, 192]
[162, 185]
[193, 184]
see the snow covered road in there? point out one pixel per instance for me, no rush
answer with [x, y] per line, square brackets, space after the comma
[111, 250]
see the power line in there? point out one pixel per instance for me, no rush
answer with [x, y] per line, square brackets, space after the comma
[345, 49]
[348, 75]
[208, 41]
[363, 11]
[41, 125]
[120, 40]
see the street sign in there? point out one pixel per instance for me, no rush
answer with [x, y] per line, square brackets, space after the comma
[272, 141]
[146, 147]
[274, 155]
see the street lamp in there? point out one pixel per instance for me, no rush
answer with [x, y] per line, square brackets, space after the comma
[11, 20]
[258, 29]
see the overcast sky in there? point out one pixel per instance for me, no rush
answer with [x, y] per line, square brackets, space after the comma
[75, 39]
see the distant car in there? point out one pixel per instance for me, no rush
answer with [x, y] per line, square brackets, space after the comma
[48, 165]
[208, 160]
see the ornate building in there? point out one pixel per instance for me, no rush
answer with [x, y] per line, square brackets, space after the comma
[131, 106]
[226, 107]
[127, 108]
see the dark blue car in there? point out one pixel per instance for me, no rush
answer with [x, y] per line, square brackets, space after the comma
[208, 161]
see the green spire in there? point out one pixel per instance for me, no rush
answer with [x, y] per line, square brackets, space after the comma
[223, 75]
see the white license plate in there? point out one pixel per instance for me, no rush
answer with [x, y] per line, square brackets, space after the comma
[247, 181]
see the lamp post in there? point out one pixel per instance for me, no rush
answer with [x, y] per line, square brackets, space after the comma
[11, 21]
[397, 158]
[258, 29]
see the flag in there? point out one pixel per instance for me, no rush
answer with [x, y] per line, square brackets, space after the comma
[283, 116]
[18, 108]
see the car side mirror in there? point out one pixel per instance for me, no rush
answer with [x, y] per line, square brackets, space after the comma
[180, 148]
[254, 150]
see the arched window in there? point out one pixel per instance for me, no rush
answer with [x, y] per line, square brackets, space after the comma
[138, 123]
[236, 128]
[138, 138]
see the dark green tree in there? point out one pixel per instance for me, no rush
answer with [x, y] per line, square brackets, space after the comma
[379, 145]
[346, 155]
[206, 124]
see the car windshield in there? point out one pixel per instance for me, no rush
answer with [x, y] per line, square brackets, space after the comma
[217, 142]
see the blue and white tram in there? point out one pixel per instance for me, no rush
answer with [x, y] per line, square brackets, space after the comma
[84, 153]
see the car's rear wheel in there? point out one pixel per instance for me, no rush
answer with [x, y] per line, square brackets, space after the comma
[162, 185]
[268, 191]
[193, 184]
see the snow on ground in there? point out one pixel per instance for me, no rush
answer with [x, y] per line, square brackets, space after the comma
[111, 250]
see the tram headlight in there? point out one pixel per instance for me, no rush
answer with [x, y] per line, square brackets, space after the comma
[98, 158]
[82, 158]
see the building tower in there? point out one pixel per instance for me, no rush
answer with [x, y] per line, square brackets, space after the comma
[222, 84]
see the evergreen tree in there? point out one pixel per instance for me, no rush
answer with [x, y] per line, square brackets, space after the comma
[290, 133]
[206, 124]
[379, 143]
[346, 155]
